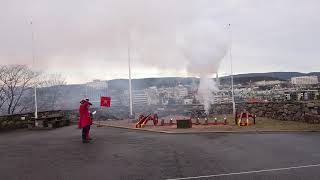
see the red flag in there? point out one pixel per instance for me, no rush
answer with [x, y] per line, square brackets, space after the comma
[105, 101]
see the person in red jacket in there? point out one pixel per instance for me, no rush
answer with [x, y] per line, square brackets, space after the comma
[85, 120]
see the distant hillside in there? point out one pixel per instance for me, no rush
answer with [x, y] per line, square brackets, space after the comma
[71, 94]
[278, 75]
[314, 74]
[245, 80]
[137, 84]
[122, 84]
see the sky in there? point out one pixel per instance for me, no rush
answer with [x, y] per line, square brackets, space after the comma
[89, 39]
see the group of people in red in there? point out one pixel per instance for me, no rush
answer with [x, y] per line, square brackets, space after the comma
[85, 120]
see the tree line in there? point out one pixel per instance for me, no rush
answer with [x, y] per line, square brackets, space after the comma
[17, 84]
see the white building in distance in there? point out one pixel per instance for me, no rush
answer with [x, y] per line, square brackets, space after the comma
[153, 96]
[305, 80]
[95, 89]
[181, 92]
[221, 99]
[139, 98]
[188, 101]
[268, 83]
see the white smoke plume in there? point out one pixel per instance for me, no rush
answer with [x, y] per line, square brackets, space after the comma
[204, 45]
[198, 47]
[206, 87]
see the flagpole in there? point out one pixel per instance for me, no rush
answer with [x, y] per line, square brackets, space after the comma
[35, 85]
[232, 80]
[130, 84]
[100, 112]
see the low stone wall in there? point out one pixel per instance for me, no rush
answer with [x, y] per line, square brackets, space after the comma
[286, 111]
[19, 121]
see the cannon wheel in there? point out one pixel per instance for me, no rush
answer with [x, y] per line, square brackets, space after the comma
[155, 119]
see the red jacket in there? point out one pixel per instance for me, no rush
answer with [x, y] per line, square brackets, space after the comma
[85, 119]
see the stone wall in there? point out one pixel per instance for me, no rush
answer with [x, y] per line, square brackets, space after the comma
[14, 121]
[287, 111]
[19, 121]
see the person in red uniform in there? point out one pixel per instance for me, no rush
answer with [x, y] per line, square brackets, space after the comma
[85, 120]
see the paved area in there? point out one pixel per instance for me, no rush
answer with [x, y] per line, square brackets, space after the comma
[136, 155]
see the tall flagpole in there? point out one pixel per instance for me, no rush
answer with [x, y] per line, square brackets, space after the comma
[232, 81]
[130, 85]
[34, 63]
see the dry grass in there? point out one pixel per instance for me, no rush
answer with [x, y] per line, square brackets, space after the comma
[262, 124]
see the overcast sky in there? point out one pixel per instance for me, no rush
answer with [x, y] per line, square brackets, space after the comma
[88, 39]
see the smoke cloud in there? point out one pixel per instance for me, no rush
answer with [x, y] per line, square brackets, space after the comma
[197, 47]
[72, 35]
[206, 87]
[97, 31]
[169, 35]
[204, 45]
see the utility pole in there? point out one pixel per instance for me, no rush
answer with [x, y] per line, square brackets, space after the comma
[35, 85]
[232, 81]
[130, 85]
[86, 93]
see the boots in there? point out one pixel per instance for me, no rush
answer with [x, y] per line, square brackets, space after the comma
[85, 141]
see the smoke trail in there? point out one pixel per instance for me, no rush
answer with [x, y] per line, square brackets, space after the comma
[204, 45]
[204, 95]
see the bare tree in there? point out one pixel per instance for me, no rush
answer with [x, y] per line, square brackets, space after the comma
[16, 79]
[50, 90]
[2, 97]
[2, 92]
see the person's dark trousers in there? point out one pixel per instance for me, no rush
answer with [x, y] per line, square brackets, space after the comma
[85, 132]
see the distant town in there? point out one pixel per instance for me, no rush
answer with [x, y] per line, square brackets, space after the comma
[299, 88]
[159, 93]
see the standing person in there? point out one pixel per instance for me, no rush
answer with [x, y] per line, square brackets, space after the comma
[85, 120]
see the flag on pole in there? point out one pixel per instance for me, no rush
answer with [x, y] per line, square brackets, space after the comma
[105, 101]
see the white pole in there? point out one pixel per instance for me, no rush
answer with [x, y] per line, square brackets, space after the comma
[232, 82]
[86, 93]
[35, 85]
[36, 102]
[130, 85]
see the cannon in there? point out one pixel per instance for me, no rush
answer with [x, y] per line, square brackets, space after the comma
[143, 120]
